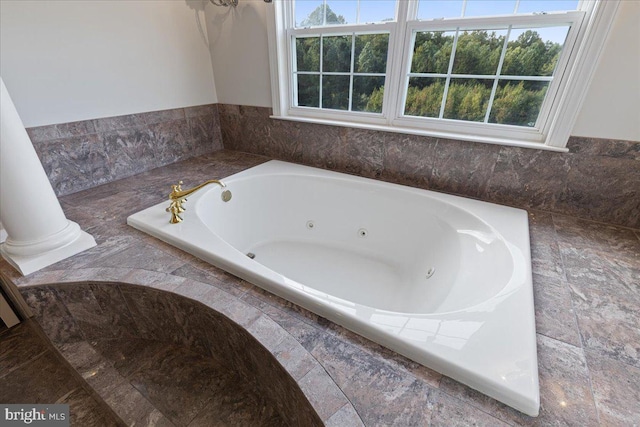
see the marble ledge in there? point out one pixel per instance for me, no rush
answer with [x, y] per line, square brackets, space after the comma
[320, 389]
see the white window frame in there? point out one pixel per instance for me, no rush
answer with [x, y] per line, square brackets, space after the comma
[559, 112]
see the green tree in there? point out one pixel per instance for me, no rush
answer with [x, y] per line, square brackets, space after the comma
[529, 55]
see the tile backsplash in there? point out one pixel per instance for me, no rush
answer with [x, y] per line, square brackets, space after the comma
[598, 179]
[84, 154]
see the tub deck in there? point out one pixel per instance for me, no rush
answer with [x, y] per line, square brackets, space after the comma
[590, 381]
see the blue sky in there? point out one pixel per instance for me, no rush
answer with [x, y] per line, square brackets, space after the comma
[379, 10]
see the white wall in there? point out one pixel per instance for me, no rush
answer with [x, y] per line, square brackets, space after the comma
[612, 105]
[240, 52]
[64, 61]
[611, 108]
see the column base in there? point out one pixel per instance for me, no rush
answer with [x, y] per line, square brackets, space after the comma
[28, 263]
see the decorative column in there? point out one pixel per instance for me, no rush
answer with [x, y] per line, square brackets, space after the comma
[38, 233]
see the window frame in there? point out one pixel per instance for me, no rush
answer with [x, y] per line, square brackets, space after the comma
[563, 100]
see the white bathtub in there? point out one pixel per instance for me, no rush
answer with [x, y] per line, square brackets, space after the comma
[443, 280]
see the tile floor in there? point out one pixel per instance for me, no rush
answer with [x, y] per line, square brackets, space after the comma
[587, 295]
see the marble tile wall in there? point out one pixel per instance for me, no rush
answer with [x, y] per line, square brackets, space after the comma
[598, 179]
[84, 154]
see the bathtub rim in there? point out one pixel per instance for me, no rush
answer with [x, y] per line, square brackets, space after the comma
[525, 399]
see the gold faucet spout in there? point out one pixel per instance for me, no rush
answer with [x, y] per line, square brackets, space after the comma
[178, 193]
[178, 197]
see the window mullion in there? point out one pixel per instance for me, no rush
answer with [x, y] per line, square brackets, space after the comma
[393, 92]
[449, 72]
[353, 54]
[320, 78]
[498, 71]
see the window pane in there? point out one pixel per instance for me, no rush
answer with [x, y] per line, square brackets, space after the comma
[517, 102]
[336, 56]
[528, 6]
[371, 53]
[489, 7]
[341, 12]
[432, 52]
[308, 90]
[434, 9]
[308, 54]
[467, 99]
[533, 52]
[424, 96]
[335, 92]
[478, 52]
[309, 13]
[368, 93]
[377, 11]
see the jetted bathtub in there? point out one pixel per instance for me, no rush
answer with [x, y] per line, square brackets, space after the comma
[443, 280]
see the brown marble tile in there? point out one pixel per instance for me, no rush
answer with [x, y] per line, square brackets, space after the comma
[604, 147]
[84, 410]
[129, 404]
[163, 116]
[565, 393]
[364, 152]
[130, 151]
[555, 317]
[322, 392]
[206, 273]
[463, 167]
[616, 388]
[409, 159]
[52, 381]
[266, 331]
[179, 383]
[449, 411]
[616, 200]
[200, 110]
[172, 141]
[43, 133]
[611, 240]
[234, 309]
[166, 317]
[51, 313]
[346, 416]
[294, 358]
[84, 127]
[399, 399]
[324, 146]
[237, 406]
[98, 309]
[608, 321]
[192, 289]
[230, 126]
[528, 178]
[287, 139]
[545, 253]
[140, 254]
[18, 346]
[108, 124]
[72, 163]
[128, 355]
[82, 356]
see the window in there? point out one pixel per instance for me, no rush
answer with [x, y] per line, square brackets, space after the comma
[501, 71]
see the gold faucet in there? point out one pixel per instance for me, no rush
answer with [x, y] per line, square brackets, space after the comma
[178, 197]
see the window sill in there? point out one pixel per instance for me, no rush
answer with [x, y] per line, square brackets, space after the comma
[422, 132]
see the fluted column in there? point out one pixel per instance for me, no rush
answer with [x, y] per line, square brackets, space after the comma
[38, 233]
